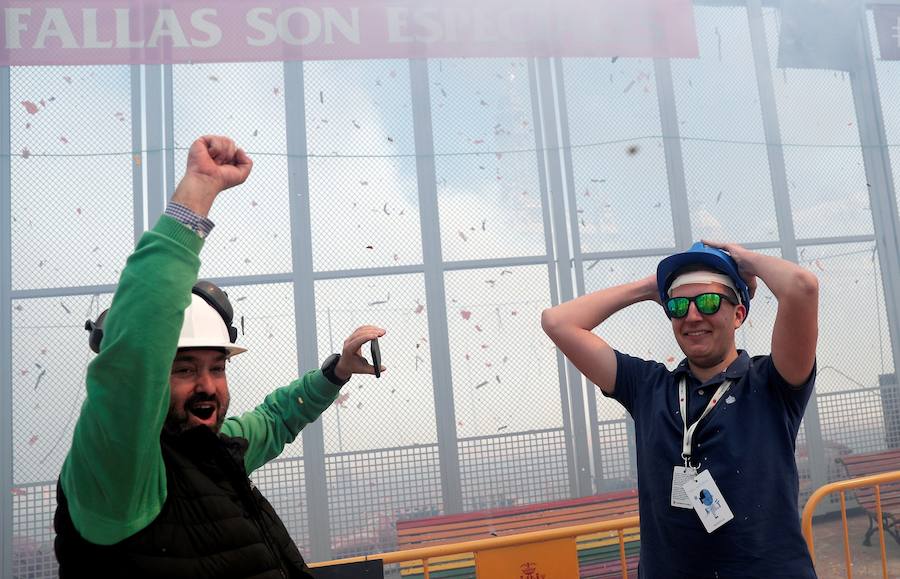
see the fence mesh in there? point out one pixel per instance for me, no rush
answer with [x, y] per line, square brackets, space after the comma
[638, 192]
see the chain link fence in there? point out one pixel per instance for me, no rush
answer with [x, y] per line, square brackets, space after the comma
[464, 328]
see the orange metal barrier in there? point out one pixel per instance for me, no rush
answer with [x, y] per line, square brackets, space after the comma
[425, 554]
[842, 487]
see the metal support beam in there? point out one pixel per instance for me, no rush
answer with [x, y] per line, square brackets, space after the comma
[879, 176]
[154, 123]
[593, 433]
[783, 214]
[668, 116]
[6, 413]
[557, 192]
[435, 296]
[305, 305]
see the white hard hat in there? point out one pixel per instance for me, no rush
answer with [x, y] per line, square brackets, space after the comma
[204, 327]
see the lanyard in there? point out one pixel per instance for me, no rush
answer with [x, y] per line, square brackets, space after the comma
[689, 430]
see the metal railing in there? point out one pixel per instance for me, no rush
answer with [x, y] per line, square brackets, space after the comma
[427, 554]
[842, 487]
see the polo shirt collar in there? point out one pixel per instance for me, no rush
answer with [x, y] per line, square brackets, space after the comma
[734, 372]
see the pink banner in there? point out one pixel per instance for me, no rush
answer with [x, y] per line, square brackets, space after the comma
[66, 32]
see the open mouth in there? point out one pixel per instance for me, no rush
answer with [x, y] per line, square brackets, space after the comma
[203, 410]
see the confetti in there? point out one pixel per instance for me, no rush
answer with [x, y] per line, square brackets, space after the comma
[65, 308]
[32, 440]
[477, 327]
[385, 209]
[370, 247]
[381, 302]
[462, 235]
[321, 97]
[30, 107]
[340, 400]
[39, 378]
[63, 140]
[485, 383]
[213, 78]
[504, 427]
[18, 492]
[68, 79]
[355, 124]
[419, 309]
[632, 150]
[466, 314]
[719, 197]
[26, 153]
[630, 84]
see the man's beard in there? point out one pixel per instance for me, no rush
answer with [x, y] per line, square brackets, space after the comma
[178, 419]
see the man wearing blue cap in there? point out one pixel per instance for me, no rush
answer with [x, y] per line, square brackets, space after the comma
[719, 430]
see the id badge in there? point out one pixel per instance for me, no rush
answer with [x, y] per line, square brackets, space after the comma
[708, 502]
[681, 475]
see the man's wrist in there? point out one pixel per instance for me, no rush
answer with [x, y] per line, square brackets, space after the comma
[189, 218]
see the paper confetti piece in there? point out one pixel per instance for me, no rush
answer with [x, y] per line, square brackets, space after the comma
[465, 314]
[419, 309]
[63, 140]
[485, 383]
[32, 440]
[30, 107]
[26, 153]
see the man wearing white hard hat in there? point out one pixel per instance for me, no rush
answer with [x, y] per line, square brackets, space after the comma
[717, 480]
[156, 481]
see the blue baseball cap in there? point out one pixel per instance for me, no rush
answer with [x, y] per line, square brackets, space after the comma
[704, 256]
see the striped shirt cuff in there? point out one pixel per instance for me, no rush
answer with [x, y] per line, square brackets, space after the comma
[199, 225]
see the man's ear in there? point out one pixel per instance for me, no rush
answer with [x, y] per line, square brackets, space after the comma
[740, 314]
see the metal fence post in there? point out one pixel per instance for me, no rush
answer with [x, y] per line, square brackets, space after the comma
[445, 414]
[6, 428]
[305, 304]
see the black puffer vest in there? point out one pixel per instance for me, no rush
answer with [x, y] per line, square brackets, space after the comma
[214, 523]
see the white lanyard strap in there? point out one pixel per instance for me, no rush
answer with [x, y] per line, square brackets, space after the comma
[689, 430]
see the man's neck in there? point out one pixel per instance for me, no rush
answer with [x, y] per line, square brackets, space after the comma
[703, 374]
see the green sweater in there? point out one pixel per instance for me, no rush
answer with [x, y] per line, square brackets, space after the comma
[114, 476]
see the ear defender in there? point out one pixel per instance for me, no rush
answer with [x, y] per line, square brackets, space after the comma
[95, 330]
[217, 300]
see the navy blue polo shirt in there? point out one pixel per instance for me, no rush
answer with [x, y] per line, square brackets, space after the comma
[747, 444]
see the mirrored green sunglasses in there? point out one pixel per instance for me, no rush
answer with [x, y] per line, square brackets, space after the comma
[707, 304]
